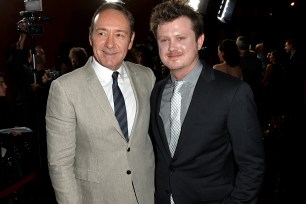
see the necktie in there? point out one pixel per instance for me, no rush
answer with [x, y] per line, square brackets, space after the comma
[119, 106]
[175, 119]
[175, 116]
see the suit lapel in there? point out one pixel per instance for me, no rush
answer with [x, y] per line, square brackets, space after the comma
[98, 93]
[135, 83]
[197, 100]
[160, 124]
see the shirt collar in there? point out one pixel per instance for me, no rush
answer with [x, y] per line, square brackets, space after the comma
[192, 77]
[105, 74]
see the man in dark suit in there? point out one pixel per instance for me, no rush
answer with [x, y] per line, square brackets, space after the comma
[219, 156]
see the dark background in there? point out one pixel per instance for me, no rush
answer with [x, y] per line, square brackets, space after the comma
[71, 20]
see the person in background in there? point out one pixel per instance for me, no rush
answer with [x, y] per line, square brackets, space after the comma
[7, 118]
[26, 68]
[209, 149]
[275, 91]
[262, 55]
[251, 69]
[78, 57]
[28, 73]
[229, 56]
[295, 120]
[92, 157]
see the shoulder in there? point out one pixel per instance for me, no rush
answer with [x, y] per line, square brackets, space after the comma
[138, 67]
[140, 70]
[223, 80]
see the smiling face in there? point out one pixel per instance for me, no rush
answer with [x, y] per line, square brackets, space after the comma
[111, 38]
[178, 46]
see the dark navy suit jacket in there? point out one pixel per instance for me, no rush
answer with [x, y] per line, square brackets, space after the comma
[219, 157]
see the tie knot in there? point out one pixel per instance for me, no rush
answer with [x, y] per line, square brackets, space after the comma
[177, 85]
[115, 75]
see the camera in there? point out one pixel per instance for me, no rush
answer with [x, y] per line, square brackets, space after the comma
[33, 21]
[53, 74]
[32, 18]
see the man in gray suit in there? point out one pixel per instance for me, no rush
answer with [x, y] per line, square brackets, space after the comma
[90, 159]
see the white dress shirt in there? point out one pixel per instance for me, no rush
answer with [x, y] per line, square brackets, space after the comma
[105, 77]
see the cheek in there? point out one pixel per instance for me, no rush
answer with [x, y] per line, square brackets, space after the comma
[162, 49]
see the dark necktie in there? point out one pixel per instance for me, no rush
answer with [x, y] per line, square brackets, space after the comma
[119, 106]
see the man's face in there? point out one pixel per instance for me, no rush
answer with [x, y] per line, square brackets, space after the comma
[111, 38]
[74, 60]
[40, 57]
[3, 87]
[178, 46]
[287, 47]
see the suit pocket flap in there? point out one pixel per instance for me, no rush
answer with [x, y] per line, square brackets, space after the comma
[88, 175]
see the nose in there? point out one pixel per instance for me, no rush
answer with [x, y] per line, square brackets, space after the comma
[172, 45]
[110, 41]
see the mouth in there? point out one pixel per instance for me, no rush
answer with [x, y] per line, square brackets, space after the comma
[109, 52]
[174, 56]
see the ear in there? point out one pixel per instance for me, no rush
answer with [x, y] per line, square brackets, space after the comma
[132, 41]
[90, 40]
[201, 41]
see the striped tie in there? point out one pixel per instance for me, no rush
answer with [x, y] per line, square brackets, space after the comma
[119, 106]
[175, 116]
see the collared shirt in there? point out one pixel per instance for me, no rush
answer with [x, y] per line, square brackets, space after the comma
[105, 77]
[186, 92]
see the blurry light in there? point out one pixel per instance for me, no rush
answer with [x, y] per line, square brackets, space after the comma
[194, 4]
[292, 3]
[114, 1]
[226, 10]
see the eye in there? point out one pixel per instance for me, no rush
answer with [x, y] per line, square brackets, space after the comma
[120, 35]
[102, 33]
[162, 40]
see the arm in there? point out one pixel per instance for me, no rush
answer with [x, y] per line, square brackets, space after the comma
[247, 145]
[265, 80]
[61, 144]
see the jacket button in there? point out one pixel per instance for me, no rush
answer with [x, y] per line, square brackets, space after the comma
[128, 149]
[171, 168]
[128, 172]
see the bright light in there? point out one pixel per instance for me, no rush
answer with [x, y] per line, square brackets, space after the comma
[114, 1]
[226, 10]
[194, 4]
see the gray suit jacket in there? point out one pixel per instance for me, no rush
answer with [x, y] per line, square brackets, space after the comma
[89, 159]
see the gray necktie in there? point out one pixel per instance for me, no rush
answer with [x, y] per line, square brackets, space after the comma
[175, 119]
[175, 116]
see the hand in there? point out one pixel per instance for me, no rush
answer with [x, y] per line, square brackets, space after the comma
[45, 79]
[22, 26]
[35, 86]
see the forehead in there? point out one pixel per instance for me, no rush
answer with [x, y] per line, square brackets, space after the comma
[179, 25]
[111, 18]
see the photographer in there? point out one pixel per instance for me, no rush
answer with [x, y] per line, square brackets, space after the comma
[30, 77]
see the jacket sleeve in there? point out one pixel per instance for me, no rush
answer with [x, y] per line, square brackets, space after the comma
[246, 139]
[61, 143]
